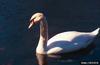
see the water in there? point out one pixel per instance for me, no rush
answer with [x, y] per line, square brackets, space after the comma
[18, 43]
[22, 50]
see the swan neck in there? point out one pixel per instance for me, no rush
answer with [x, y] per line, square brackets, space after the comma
[43, 37]
[44, 29]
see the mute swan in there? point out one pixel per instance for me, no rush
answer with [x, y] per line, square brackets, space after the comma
[63, 42]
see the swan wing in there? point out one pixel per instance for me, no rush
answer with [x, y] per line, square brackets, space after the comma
[68, 41]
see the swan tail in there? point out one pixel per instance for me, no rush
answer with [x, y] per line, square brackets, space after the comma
[95, 32]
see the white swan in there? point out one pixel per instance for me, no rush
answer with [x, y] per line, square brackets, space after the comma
[62, 42]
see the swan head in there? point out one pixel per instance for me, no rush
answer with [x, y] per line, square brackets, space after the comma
[37, 17]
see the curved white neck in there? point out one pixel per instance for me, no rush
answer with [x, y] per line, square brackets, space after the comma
[43, 37]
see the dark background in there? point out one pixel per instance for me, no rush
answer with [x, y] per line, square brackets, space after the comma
[18, 42]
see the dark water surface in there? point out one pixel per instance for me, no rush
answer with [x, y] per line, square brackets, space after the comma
[18, 43]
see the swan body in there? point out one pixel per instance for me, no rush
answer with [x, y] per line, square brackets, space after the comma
[69, 41]
[63, 42]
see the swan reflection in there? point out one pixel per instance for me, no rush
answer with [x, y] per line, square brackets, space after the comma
[42, 59]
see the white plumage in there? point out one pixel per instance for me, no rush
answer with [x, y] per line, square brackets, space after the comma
[63, 42]
[70, 41]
